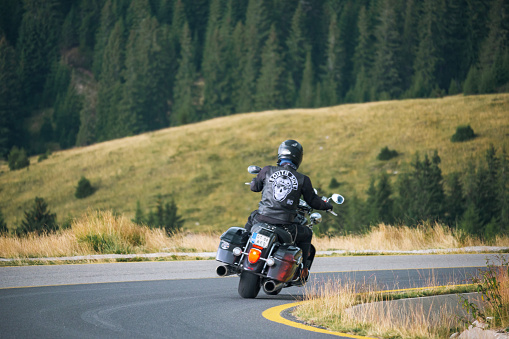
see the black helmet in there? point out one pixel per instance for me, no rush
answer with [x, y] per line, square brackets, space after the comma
[291, 150]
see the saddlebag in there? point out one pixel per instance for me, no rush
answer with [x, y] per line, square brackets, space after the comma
[287, 258]
[233, 237]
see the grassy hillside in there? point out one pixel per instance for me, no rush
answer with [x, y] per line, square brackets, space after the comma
[203, 165]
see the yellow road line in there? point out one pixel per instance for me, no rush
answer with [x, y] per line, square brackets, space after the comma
[274, 314]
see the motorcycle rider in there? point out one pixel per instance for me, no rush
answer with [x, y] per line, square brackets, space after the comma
[281, 187]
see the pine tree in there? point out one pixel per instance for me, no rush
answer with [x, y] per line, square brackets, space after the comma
[39, 219]
[216, 65]
[69, 36]
[86, 133]
[386, 71]
[90, 14]
[363, 59]
[409, 42]
[11, 13]
[355, 218]
[37, 46]
[137, 12]
[384, 202]
[139, 216]
[177, 25]
[306, 91]
[331, 79]
[172, 221]
[255, 33]
[470, 223]
[57, 82]
[428, 181]
[66, 117]
[237, 52]
[488, 187]
[106, 26]
[184, 109]
[404, 203]
[494, 49]
[145, 92]
[108, 123]
[164, 12]
[297, 46]
[10, 111]
[347, 23]
[477, 27]
[270, 84]
[455, 202]
[429, 60]
[421, 193]
[455, 52]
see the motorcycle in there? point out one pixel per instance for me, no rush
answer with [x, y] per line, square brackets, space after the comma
[267, 257]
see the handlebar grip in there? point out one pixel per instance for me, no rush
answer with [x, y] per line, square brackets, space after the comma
[332, 212]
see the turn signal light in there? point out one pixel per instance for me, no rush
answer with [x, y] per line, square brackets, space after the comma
[254, 255]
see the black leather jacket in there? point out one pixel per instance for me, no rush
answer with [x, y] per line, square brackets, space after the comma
[282, 187]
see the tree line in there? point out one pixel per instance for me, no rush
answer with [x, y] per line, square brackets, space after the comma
[76, 72]
[40, 220]
[475, 201]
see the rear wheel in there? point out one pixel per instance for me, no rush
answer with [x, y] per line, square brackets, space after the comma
[249, 285]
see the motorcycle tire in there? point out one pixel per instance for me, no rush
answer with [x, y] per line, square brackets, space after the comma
[249, 285]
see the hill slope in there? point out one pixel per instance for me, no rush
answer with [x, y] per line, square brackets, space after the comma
[203, 165]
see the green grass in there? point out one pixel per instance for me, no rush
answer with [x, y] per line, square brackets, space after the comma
[203, 165]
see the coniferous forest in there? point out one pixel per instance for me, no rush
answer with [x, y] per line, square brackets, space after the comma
[76, 72]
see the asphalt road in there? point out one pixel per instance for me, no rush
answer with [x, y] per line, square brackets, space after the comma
[183, 299]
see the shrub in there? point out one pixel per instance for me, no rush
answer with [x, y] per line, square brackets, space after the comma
[18, 159]
[84, 188]
[463, 133]
[44, 156]
[104, 232]
[334, 183]
[387, 154]
[39, 219]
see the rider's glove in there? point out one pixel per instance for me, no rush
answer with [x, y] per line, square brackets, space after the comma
[329, 207]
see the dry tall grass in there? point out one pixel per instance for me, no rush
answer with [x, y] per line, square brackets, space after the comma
[402, 238]
[330, 305]
[103, 232]
[99, 232]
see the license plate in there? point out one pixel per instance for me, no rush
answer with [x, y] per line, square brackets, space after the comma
[260, 240]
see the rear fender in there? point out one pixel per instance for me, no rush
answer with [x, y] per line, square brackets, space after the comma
[265, 252]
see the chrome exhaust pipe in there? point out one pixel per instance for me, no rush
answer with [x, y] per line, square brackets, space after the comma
[224, 271]
[271, 286]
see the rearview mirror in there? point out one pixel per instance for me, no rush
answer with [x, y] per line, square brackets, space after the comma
[254, 169]
[338, 198]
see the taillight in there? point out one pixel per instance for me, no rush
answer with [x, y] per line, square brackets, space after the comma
[254, 255]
